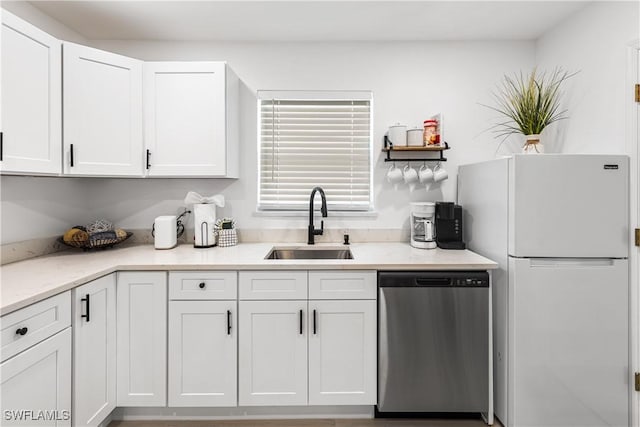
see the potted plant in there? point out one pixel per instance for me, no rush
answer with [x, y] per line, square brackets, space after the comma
[529, 104]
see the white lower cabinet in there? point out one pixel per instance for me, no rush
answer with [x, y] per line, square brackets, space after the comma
[273, 353]
[203, 342]
[38, 379]
[94, 351]
[142, 339]
[342, 352]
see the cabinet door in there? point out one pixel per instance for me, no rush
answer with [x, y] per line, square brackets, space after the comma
[31, 99]
[203, 357]
[185, 123]
[342, 352]
[273, 353]
[102, 113]
[38, 379]
[142, 339]
[94, 351]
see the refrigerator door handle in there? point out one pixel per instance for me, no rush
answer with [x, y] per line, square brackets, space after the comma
[570, 262]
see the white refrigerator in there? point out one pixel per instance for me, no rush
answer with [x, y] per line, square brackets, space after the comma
[558, 226]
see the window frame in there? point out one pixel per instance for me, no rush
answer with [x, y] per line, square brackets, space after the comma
[314, 95]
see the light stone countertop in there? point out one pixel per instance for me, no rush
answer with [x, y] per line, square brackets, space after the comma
[30, 281]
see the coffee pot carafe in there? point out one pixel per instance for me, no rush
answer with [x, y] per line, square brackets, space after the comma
[422, 222]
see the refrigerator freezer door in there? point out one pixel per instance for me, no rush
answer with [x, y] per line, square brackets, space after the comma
[568, 338]
[564, 205]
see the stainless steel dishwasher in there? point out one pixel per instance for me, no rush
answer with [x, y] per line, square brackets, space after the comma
[433, 342]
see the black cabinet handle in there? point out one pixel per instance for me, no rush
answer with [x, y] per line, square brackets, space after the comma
[228, 322]
[202, 285]
[314, 322]
[148, 157]
[88, 308]
[22, 331]
[71, 155]
[300, 322]
[1, 146]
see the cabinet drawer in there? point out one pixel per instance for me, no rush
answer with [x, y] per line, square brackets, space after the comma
[35, 322]
[265, 285]
[359, 284]
[203, 285]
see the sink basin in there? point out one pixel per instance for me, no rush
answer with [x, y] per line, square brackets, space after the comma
[310, 253]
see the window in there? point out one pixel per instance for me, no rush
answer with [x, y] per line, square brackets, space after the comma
[309, 139]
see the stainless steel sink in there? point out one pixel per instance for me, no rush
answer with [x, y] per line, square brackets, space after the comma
[311, 253]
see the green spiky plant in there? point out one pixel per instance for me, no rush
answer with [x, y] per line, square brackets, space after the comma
[529, 103]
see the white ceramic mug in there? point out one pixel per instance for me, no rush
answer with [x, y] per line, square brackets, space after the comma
[410, 176]
[394, 174]
[440, 174]
[425, 174]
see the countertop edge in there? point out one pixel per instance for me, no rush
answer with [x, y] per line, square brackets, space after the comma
[278, 265]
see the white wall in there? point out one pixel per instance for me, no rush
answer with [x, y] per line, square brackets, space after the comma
[36, 207]
[410, 81]
[594, 42]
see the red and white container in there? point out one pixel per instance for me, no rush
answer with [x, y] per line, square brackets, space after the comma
[431, 134]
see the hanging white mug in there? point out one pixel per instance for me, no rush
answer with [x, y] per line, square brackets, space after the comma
[440, 173]
[425, 174]
[394, 174]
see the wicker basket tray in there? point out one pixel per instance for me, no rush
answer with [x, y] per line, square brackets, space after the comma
[96, 241]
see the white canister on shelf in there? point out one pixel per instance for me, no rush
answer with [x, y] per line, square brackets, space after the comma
[415, 137]
[397, 135]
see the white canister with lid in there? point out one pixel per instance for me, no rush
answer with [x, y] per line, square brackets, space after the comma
[415, 137]
[397, 135]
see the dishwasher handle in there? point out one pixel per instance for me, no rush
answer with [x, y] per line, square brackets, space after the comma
[433, 281]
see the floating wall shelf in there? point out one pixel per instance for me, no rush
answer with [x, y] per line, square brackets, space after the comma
[389, 148]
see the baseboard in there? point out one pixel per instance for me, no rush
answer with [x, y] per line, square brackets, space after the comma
[244, 413]
[107, 420]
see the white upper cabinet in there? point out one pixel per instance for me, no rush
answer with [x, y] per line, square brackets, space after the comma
[102, 113]
[31, 99]
[191, 119]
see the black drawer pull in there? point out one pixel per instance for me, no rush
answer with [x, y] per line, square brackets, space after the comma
[22, 331]
[202, 285]
[314, 322]
[88, 308]
[228, 322]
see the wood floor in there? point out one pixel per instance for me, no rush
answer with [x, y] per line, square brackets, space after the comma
[310, 423]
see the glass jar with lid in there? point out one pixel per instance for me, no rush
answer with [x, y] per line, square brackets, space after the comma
[431, 135]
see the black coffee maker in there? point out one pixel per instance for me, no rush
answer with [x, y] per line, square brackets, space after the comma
[449, 226]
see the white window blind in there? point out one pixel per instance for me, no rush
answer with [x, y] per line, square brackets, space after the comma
[309, 140]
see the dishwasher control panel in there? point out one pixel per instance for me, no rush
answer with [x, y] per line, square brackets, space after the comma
[433, 279]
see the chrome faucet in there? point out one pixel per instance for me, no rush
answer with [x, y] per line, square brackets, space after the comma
[323, 209]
